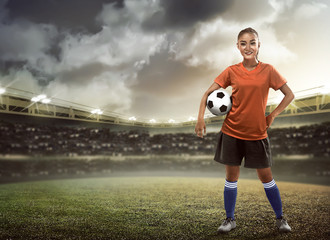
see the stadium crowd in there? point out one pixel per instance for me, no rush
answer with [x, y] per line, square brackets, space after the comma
[41, 140]
[52, 150]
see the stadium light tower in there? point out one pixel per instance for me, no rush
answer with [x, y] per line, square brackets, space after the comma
[2, 90]
[97, 111]
[45, 100]
[41, 98]
[191, 119]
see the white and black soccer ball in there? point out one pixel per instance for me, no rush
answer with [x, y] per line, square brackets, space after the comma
[219, 102]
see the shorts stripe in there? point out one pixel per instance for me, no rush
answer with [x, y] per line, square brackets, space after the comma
[269, 184]
[230, 184]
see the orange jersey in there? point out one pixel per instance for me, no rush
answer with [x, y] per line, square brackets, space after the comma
[246, 119]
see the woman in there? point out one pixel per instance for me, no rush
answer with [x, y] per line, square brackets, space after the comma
[244, 131]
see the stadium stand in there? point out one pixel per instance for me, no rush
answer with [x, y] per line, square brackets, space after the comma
[64, 139]
[34, 140]
[30, 150]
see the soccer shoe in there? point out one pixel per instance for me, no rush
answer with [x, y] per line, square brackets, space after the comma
[282, 225]
[227, 225]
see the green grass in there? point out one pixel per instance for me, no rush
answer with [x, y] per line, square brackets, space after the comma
[156, 208]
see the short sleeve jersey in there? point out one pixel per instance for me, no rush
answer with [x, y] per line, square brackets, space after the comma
[246, 120]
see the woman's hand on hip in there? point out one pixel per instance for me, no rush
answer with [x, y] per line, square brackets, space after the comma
[269, 120]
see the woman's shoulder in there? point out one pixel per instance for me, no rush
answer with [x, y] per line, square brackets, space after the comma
[266, 65]
[234, 66]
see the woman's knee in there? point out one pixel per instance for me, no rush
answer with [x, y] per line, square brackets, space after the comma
[232, 173]
[265, 175]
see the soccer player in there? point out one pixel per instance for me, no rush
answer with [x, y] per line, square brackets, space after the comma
[244, 131]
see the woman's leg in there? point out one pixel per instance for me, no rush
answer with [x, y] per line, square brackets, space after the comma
[230, 190]
[265, 174]
[230, 194]
[271, 189]
[232, 173]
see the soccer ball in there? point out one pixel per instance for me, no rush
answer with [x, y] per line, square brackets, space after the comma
[219, 102]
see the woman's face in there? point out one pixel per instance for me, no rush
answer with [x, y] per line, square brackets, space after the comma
[248, 44]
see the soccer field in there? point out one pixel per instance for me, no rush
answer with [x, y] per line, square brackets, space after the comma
[156, 208]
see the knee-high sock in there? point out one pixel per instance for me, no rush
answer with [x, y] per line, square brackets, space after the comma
[273, 195]
[230, 194]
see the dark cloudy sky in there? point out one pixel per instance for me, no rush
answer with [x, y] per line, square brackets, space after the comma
[154, 58]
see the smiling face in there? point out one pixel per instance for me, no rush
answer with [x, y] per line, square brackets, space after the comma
[248, 44]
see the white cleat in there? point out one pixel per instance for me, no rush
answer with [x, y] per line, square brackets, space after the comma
[227, 225]
[283, 225]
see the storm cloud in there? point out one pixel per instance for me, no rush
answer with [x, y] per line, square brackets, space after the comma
[184, 13]
[75, 15]
[153, 58]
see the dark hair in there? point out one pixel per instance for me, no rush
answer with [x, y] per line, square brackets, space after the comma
[247, 30]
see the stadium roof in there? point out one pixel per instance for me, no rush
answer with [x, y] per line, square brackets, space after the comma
[18, 101]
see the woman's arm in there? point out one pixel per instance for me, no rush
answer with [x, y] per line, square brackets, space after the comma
[200, 125]
[288, 97]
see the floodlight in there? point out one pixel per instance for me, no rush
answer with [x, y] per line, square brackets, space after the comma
[97, 111]
[2, 90]
[191, 119]
[171, 121]
[132, 118]
[152, 120]
[35, 99]
[45, 100]
[41, 96]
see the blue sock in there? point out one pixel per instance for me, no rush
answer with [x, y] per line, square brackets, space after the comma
[230, 194]
[273, 195]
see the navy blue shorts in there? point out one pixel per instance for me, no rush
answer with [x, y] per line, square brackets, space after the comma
[231, 151]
